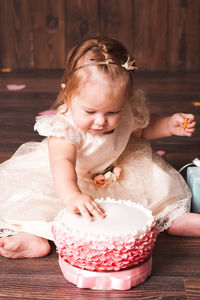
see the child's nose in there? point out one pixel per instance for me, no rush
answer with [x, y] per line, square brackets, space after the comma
[100, 119]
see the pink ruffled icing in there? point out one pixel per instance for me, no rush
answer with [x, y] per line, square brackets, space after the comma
[104, 255]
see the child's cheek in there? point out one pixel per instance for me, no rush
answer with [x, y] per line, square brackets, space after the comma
[83, 123]
[116, 120]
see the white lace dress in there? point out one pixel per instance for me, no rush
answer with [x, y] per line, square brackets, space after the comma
[28, 201]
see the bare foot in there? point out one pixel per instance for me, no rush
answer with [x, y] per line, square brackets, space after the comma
[188, 224]
[23, 245]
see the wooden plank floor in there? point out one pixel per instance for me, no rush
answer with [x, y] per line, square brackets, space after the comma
[176, 260]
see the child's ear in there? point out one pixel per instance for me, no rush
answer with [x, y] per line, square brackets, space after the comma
[62, 86]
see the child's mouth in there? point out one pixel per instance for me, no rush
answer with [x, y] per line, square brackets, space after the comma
[98, 129]
[103, 131]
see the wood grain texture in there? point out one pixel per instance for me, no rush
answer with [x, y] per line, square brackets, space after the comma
[117, 21]
[150, 31]
[82, 21]
[15, 35]
[161, 34]
[183, 34]
[192, 288]
[48, 33]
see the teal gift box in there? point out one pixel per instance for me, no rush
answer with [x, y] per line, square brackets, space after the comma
[193, 180]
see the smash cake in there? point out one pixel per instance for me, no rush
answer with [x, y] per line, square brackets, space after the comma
[124, 239]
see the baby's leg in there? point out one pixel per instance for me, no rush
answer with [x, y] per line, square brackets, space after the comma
[188, 224]
[23, 245]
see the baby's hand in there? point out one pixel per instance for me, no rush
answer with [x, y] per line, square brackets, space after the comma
[181, 124]
[85, 205]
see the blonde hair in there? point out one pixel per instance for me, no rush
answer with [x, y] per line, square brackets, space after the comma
[97, 50]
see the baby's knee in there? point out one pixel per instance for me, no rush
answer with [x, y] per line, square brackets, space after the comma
[188, 224]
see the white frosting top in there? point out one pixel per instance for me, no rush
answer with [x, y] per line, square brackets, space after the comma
[123, 219]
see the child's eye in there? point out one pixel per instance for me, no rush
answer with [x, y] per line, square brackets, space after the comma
[113, 112]
[89, 112]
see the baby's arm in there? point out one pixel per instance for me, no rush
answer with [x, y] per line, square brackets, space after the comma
[160, 127]
[62, 157]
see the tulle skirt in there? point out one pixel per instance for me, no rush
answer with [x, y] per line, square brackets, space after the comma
[28, 202]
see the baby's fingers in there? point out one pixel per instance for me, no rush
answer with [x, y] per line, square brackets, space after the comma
[189, 117]
[85, 212]
[189, 129]
[191, 125]
[95, 210]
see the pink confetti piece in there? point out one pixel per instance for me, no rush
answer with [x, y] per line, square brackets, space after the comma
[47, 112]
[160, 152]
[15, 87]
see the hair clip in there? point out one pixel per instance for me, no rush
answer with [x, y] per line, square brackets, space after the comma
[129, 64]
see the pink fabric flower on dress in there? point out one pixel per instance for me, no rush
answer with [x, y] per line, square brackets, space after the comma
[100, 180]
[117, 171]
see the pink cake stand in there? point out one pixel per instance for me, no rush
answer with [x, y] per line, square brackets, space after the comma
[114, 280]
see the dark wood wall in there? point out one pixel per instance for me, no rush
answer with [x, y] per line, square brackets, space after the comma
[161, 34]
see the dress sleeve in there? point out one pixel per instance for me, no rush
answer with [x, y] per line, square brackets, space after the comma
[140, 109]
[57, 125]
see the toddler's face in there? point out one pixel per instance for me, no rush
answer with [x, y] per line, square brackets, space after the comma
[98, 106]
